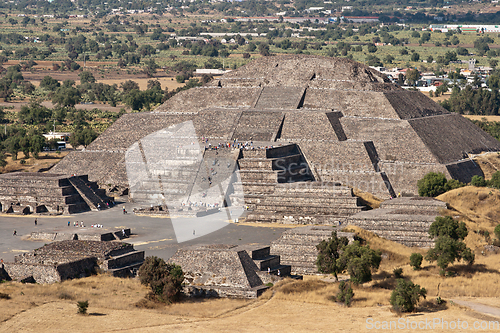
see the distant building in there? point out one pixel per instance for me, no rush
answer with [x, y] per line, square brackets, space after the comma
[57, 135]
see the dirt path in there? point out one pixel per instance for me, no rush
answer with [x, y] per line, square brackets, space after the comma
[478, 307]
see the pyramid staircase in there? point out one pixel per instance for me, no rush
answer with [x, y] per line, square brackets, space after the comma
[278, 186]
[90, 192]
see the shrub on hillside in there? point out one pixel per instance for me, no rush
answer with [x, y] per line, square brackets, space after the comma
[406, 296]
[497, 231]
[165, 280]
[495, 180]
[416, 261]
[398, 273]
[345, 294]
[82, 307]
[435, 183]
[478, 181]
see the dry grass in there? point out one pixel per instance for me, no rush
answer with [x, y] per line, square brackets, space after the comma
[489, 163]
[367, 198]
[478, 207]
[482, 118]
[166, 82]
[32, 164]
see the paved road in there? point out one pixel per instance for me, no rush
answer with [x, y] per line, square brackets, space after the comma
[478, 307]
[154, 235]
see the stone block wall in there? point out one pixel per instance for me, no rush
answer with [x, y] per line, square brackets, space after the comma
[311, 125]
[40, 273]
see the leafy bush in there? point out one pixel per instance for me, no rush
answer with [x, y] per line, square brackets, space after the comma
[495, 180]
[497, 231]
[345, 294]
[478, 181]
[82, 307]
[434, 184]
[398, 273]
[452, 184]
[416, 260]
[164, 279]
[406, 296]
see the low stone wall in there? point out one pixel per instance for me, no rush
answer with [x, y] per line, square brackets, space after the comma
[40, 273]
[217, 291]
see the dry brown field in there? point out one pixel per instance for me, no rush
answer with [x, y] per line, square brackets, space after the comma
[487, 118]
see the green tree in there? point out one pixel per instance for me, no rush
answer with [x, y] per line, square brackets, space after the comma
[329, 253]
[66, 96]
[416, 260]
[447, 226]
[86, 77]
[165, 280]
[34, 114]
[388, 59]
[82, 136]
[415, 57]
[358, 261]
[49, 83]
[412, 76]
[406, 295]
[448, 246]
[3, 161]
[264, 49]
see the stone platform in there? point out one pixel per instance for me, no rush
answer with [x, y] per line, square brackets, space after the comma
[44, 193]
[220, 270]
[404, 220]
[297, 247]
[58, 261]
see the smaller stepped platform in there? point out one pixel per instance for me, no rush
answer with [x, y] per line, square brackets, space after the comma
[220, 270]
[297, 247]
[68, 259]
[404, 220]
[44, 193]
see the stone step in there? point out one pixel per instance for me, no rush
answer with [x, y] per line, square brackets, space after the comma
[126, 271]
[295, 219]
[269, 261]
[260, 253]
[254, 153]
[306, 209]
[258, 176]
[284, 270]
[312, 189]
[309, 199]
[255, 188]
[255, 164]
[123, 260]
